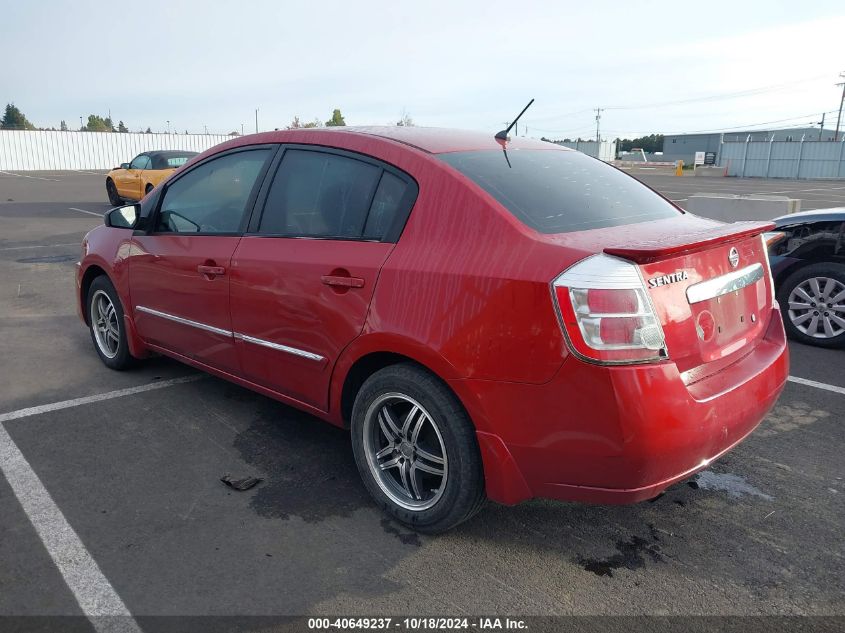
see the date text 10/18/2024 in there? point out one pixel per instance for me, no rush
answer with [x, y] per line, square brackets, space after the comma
[417, 624]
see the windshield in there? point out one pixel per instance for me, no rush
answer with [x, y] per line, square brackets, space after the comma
[560, 191]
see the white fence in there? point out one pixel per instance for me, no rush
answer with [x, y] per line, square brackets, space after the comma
[606, 150]
[784, 159]
[32, 150]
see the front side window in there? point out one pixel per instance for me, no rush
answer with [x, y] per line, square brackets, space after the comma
[318, 194]
[212, 197]
[140, 162]
[555, 191]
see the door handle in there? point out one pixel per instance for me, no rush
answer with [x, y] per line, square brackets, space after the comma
[211, 271]
[342, 281]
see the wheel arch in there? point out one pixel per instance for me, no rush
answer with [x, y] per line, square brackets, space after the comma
[367, 355]
[91, 273]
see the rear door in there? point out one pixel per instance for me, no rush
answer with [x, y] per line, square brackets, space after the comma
[303, 277]
[179, 272]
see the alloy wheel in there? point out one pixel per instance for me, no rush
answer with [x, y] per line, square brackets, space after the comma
[405, 451]
[817, 307]
[105, 324]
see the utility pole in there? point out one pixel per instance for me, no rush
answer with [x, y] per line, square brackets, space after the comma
[256, 120]
[598, 123]
[168, 126]
[821, 129]
[839, 116]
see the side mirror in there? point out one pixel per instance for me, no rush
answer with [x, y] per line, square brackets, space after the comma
[124, 165]
[123, 217]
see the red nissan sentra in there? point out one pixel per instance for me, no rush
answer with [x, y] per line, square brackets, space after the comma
[490, 319]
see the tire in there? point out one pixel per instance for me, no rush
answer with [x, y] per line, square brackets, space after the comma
[821, 284]
[105, 322]
[111, 190]
[437, 444]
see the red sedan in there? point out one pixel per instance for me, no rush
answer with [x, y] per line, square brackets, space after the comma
[490, 319]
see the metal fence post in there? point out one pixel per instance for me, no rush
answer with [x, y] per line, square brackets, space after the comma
[839, 172]
[745, 155]
[769, 156]
[798, 166]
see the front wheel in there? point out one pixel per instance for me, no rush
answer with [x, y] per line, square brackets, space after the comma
[812, 301]
[105, 320]
[416, 450]
[111, 190]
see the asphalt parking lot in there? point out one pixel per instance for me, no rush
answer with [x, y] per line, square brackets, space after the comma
[125, 486]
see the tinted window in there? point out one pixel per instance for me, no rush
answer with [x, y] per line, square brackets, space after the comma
[386, 204]
[171, 161]
[558, 191]
[140, 162]
[316, 194]
[212, 197]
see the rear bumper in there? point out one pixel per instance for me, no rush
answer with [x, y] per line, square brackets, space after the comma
[619, 434]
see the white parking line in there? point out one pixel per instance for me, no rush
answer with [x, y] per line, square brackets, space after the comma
[95, 595]
[88, 212]
[817, 385]
[8, 173]
[21, 248]
[98, 600]
[66, 404]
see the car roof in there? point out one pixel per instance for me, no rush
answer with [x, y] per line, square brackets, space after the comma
[436, 140]
[814, 215]
[431, 140]
[170, 153]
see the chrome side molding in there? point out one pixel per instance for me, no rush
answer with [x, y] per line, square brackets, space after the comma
[243, 337]
[277, 346]
[725, 284]
[184, 321]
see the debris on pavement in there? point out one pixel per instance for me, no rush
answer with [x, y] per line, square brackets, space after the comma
[240, 484]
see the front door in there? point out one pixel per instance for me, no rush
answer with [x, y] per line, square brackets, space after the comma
[302, 281]
[179, 272]
[128, 181]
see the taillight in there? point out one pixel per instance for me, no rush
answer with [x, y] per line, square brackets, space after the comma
[606, 313]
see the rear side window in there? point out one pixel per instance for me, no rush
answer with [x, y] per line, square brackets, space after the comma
[318, 194]
[556, 191]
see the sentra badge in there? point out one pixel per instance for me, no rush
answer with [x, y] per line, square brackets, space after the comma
[671, 278]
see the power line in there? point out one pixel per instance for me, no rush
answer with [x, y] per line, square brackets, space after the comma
[752, 125]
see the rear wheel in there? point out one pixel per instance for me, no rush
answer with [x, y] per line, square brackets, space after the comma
[111, 190]
[416, 449]
[105, 320]
[812, 301]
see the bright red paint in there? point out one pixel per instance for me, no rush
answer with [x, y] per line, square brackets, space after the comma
[466, 293]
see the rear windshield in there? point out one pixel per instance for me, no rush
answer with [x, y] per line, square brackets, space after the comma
[556, 191]
[171, 161]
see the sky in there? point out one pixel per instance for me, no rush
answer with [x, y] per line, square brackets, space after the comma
[664, 67]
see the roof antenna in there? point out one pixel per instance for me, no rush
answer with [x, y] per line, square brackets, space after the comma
[503, 135]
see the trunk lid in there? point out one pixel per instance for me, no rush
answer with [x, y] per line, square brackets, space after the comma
[711, 290]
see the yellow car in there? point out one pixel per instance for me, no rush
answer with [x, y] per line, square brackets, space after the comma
[132, 181]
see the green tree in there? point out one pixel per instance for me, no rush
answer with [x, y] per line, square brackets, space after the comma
[98, 124]
[149, 131]
[296, 124]
[14, 119]
[336, 120]
[651, 143]
[405, 121]
[63, 126]
[121, 127]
